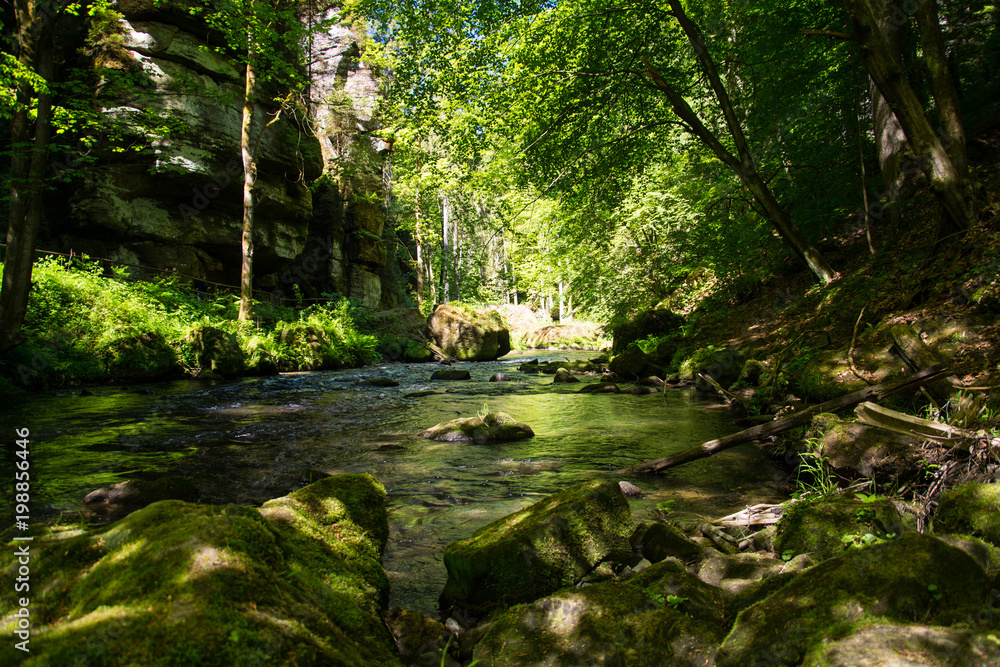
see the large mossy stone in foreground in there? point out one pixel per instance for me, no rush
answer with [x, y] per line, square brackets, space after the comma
[912, 579]
[971, 509]
[183, 584]
[537, 551]
[493, 427]
[602, 624]
[908, 645]
[818, 528]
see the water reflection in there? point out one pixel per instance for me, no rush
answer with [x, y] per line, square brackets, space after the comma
[249, 441]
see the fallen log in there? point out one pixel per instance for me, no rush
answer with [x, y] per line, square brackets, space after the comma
[898, 422]
[873, 393]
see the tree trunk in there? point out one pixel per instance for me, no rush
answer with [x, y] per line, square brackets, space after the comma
[456, 253]
[952, 189]
[942, 86]
[742, 163]
[249, 177]
[445, 248]
[890, 140]
[418, 239]
[28, 163]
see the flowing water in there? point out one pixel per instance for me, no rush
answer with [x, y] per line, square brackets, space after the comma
[255, 439]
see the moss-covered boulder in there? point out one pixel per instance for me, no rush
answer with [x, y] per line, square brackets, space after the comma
[309, 347]
[451, 374]
[657, 541]
[601, 388]
[538, 550]
[632, 362]
[913, 579]
[738, 572]
[468, 334]
[564, 376]
[723, 366]
[492, 427]
[404, 348]
[298, 582]
[824, 528]
[857, 451]
[885, 644]
[213, 349]
[971, 509]
[602, 624]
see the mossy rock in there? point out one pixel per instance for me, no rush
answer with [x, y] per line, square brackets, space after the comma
[971, 509]
[857, 451]
[308, 347]
[827, 374]
[538, 550]
[601, 388]
[403, 348]
[885, 644]
[213, 349]
[818, 528]
[492, 427]
[631, 363]
[738, 572]
[449, 374]
[723, 366]
[564, 376]
[299, 582]
[702, 602]
[468, 334]
[657, 541]
[140, 356]
[915, 578]
[601, 624]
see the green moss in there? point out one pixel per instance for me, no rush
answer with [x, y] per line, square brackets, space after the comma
[818, 528]
[177, 583]
[916, 578]
[972, 509]
[538, 550]
[492, 427]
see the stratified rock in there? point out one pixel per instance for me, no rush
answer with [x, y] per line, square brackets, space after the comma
[971, 509]
[451, 375]
[206, 347]
[298, 582]
[563, 375]
[538, 550]
[912, 579]
[468, 334]
[493, 427]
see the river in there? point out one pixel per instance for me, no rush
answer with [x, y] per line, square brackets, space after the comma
[251, 440]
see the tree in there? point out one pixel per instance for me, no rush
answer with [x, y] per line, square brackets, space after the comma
[31, 134]
[945, 166]
[266, 36]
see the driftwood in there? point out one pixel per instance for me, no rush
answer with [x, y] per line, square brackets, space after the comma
[898, 422]
[875, 392]
[758, 515]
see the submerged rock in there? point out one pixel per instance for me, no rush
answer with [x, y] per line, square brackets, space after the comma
[451, 375]
[538, 550]
[299, 581]
[136, 493]
[493, 427]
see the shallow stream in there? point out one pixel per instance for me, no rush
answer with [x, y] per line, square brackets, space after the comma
[256, 439]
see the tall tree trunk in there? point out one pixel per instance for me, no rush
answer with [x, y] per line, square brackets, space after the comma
[890, 140]
[445, 248]
[456, 254]
[743, 162]
[418, 238]
[249, 178]
[28, 163]
[942, 85]
[952, 189]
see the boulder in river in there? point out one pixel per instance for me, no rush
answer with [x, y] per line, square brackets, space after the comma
[631, 363]
[563, 375]
[600, 388]
[468, 334]
[491, 427]
[298, 581]
[499, 377]
[542, 548]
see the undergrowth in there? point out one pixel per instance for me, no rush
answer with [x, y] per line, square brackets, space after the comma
[84, 327]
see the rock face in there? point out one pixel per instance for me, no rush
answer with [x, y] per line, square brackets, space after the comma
[299, 581]
[493, 427]
[468, 334]
[178, 204]
[538, 550]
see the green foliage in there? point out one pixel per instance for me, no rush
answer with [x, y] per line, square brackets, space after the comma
[83, 326]
[813, 477]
